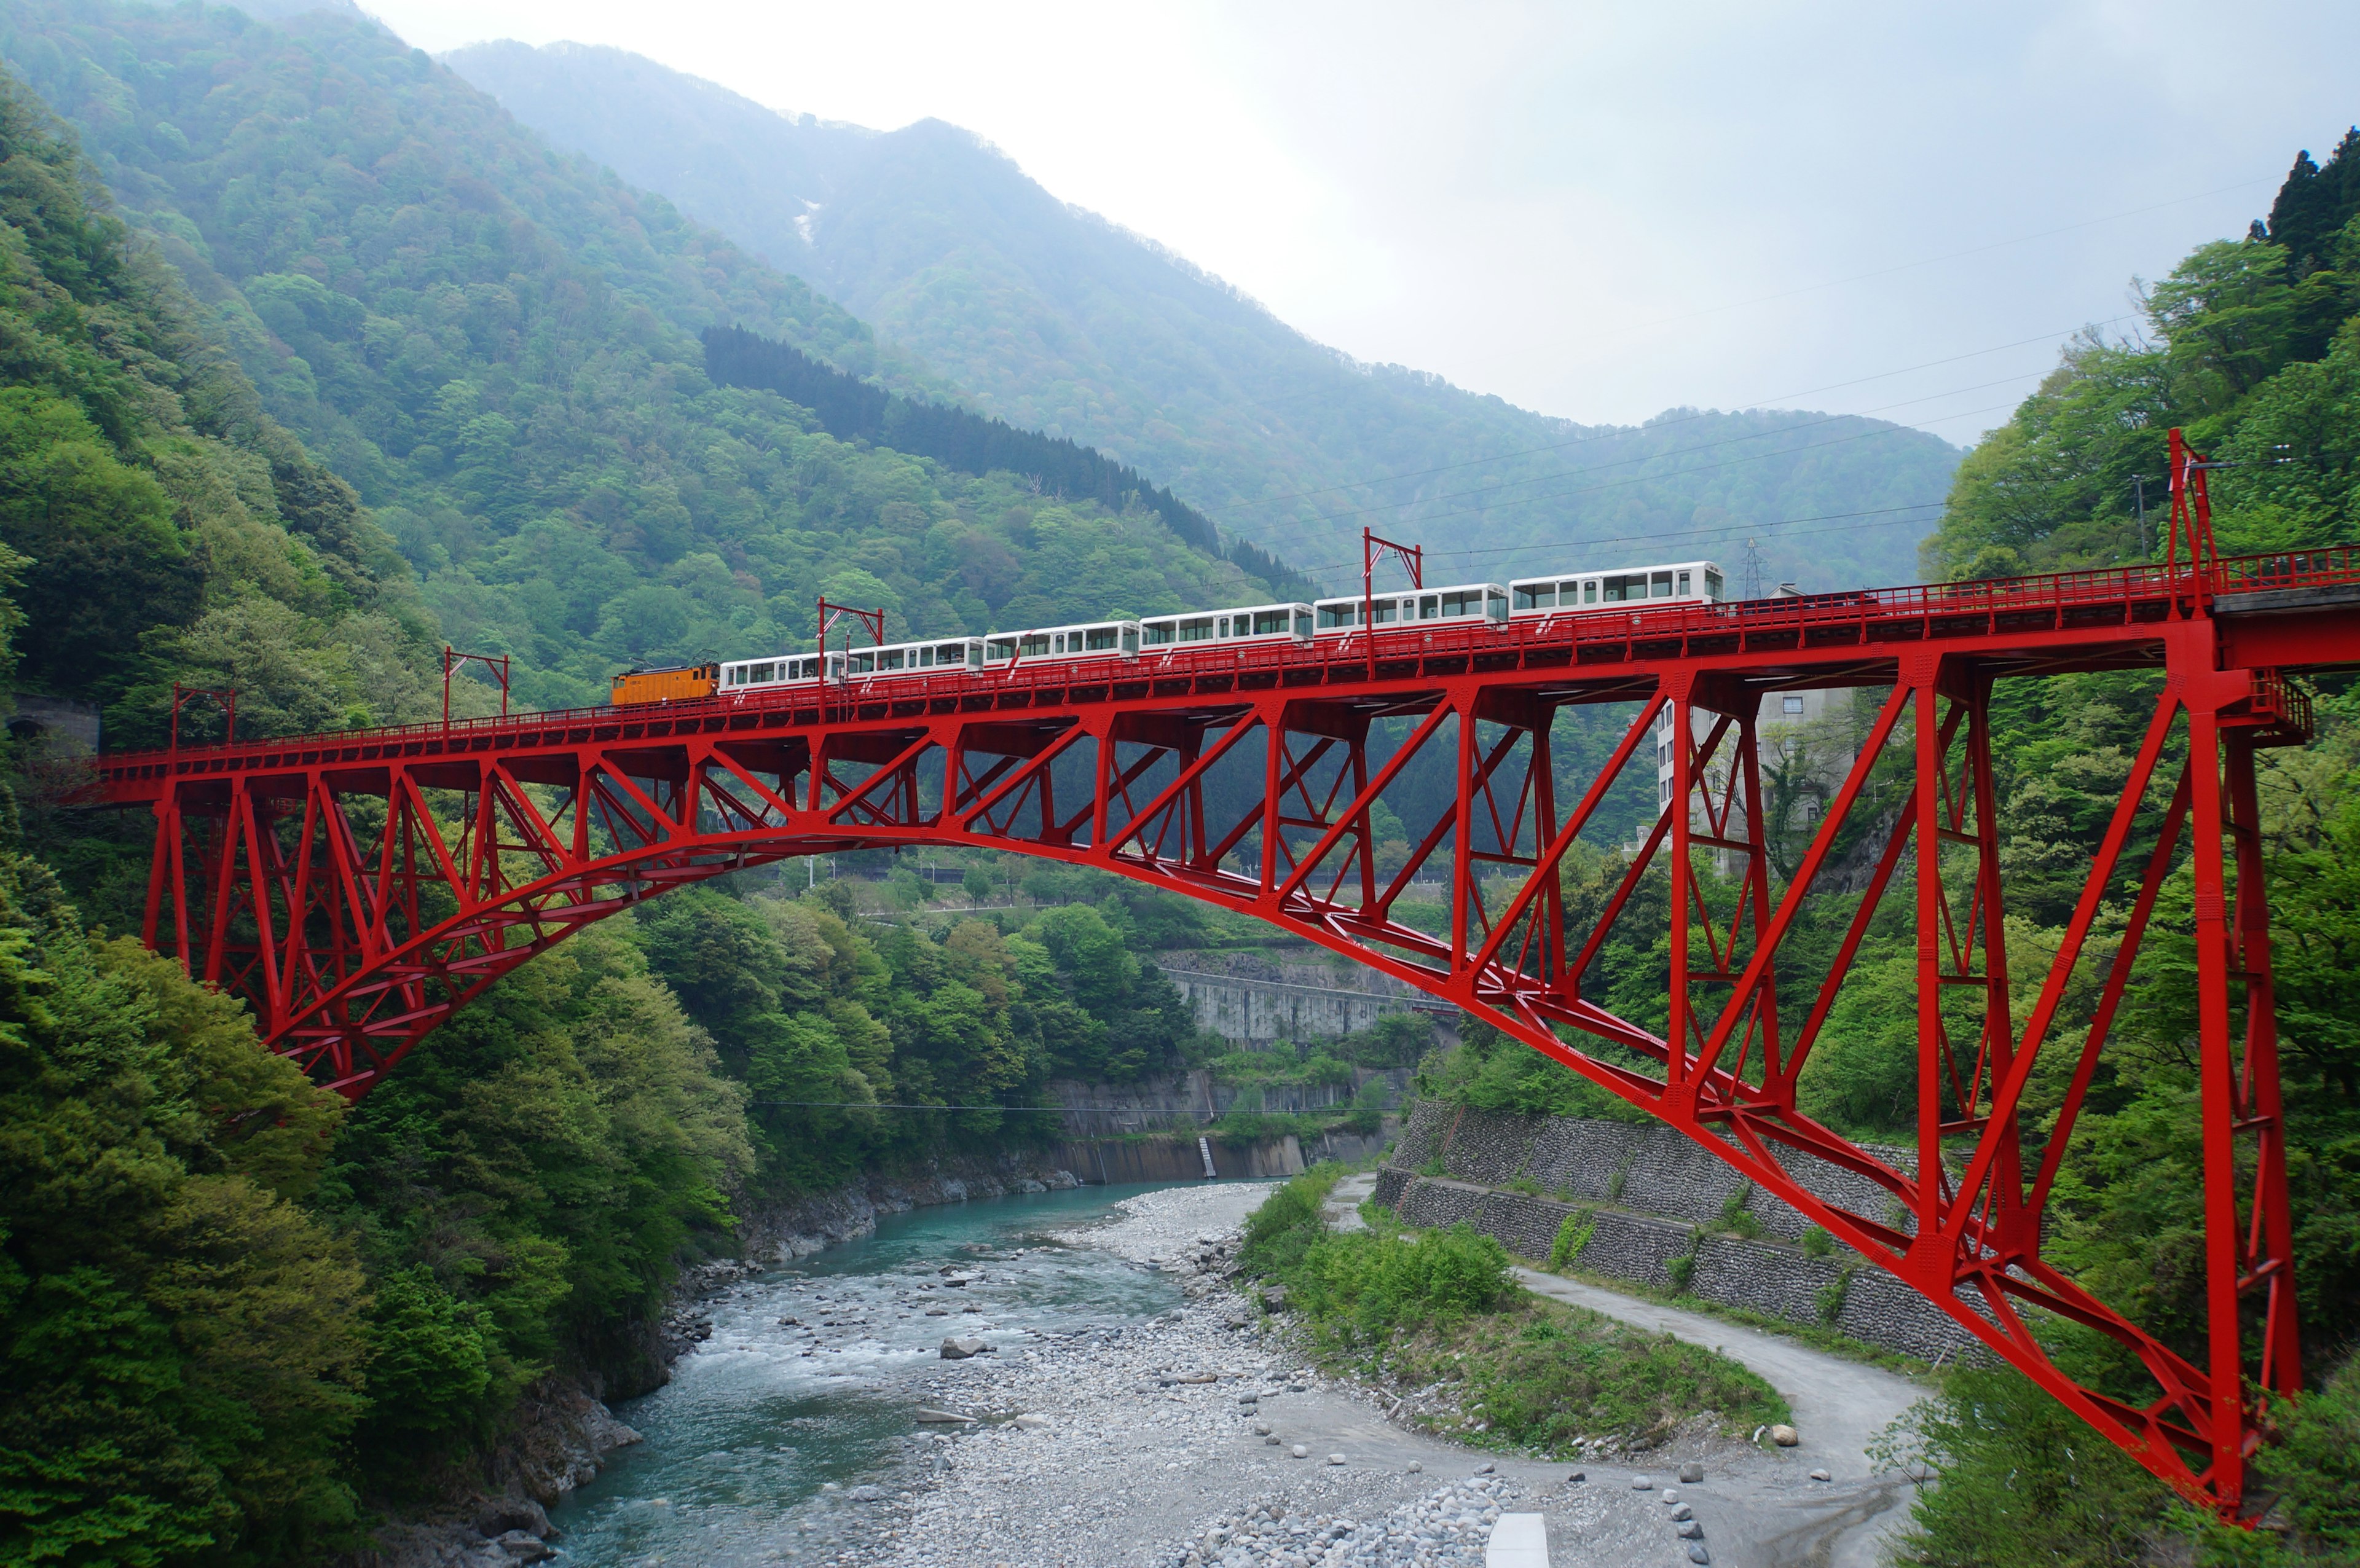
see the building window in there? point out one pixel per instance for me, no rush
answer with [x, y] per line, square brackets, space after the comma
[1793, 705]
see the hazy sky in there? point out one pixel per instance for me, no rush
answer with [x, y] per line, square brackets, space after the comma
[1596, 211]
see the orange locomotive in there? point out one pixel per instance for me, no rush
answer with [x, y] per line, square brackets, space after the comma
[666, 685]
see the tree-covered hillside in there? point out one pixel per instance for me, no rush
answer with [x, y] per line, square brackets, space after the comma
[498, 345]
[2251, 344]
[1054, 318]
[158, 524]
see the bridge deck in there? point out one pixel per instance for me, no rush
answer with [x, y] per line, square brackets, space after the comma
[2277, 611]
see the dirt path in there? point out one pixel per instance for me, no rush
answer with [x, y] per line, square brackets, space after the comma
[1768, 1510]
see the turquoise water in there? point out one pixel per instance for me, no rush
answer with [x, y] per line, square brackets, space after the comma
[744, 1445]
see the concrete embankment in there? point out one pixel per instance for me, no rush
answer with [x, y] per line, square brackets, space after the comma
[1649, 1206]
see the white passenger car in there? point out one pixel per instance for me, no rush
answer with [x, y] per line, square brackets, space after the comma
[1467, 602]
[1094, 639]
[1256, 623]
[745, 674]
[1689, 579]
[945, 653]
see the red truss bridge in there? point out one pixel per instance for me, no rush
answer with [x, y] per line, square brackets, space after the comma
[358, 887]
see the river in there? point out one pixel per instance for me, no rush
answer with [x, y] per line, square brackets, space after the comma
[753, 1450]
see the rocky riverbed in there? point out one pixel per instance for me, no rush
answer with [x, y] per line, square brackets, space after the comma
[1026, 1384]
[1199, 1438]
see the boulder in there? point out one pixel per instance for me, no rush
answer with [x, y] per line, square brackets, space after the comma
[956, 1348]
[1691, 1474]
[521, 1547]
[1784, 1435]
[512, 1513]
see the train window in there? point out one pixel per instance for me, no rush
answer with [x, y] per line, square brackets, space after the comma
[1712, 585]
[1100, 637]
[890, 660]
[1589, 592]
[1536, 595]
[1032, 643]
[762, 672]
[1268, 621]
[1615, 587]
[1302, 624]
[1198, 630]
[1001, 648]
[1495, 605]
[1334, 615]
[1663, 584]
[1386, 610]
[1684, 585]
[1130, 639]
[1568, 594]
[1427, 607]
[1155, 634]
[1461, 604]
[1224, 630]
[863, 663]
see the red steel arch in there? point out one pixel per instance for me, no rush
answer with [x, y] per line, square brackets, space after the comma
[358, 887]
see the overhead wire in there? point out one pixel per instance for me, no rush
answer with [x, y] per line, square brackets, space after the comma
[1718, 533]
[1623, 432]
[1674, 451]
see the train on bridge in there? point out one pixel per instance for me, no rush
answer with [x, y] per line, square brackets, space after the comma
[1130, 640]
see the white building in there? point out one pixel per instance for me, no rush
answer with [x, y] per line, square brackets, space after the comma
[1784, 720]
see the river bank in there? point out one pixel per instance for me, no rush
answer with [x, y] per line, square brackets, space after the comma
[1206, 1440]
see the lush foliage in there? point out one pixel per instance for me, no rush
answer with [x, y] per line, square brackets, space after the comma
[825, 1019]
[2253, 347]
[853, 409]
[1441, 1310]
[168, 526]
[499, 346]
[526, 1186]
[2007, 1476]
[1057, 319]
[183, 1342]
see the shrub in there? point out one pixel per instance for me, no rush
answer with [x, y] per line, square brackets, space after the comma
[1572, 1237]
[1818, 1243]
[1365, 1284]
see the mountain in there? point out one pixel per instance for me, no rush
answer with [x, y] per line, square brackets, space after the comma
[1053, 317]
[156, 523]
[497, 344]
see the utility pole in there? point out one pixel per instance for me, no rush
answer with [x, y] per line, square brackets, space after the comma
[2139, 482]
[1372, 550]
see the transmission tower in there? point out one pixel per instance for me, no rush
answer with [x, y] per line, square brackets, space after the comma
[1753, 568]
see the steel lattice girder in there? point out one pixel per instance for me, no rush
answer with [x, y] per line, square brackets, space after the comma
[358, 901]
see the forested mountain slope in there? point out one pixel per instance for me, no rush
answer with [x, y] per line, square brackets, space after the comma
[158, 524]
[497, 344]
[238, 1317]
[1054, 318]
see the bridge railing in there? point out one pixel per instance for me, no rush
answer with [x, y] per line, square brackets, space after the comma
[1586, 627]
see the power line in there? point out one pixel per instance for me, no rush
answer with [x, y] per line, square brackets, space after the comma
[1696, 533]
[1651, 457]
[1623, 431]
[1698, 468]
[885, 1105]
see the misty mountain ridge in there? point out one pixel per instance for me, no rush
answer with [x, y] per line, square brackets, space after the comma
[1051, 317]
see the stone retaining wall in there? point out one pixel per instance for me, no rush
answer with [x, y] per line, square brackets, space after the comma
[1644, 1166]
[1650, 1194]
